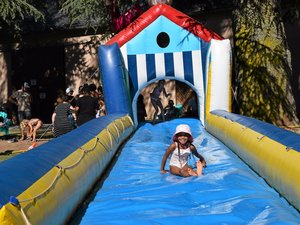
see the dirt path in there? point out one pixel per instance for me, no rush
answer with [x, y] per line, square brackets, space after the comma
[18, 146]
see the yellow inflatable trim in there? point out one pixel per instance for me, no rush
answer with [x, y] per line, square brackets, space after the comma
[276, 163]
[55, 196]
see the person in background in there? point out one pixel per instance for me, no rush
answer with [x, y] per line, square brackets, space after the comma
[93, 90]
[180, 150]
[22, 98]
[80, 91]
[102, 110]
[156, 101]
[100, 93]
[191, 110]
[60, 117]
[31, 126]
[86, 106]
[71, 99]
[5, 123]
[171, 111]
[141, 110]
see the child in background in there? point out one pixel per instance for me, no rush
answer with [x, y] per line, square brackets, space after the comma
[156, 101]
[171, 111]
[180, 150]
[5, 123]
[31, 127]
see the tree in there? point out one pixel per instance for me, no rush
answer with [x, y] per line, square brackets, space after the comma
[96, 14]
[13, 13]
[262, 62]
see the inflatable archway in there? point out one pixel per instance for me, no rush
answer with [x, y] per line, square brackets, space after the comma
[172, 82]
[201, 58]
[46, 184]
[190, 53]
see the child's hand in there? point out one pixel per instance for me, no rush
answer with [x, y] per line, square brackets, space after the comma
[163, 171]
[203, 163]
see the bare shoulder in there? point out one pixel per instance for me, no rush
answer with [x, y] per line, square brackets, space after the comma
[192, 147]
[172, 147]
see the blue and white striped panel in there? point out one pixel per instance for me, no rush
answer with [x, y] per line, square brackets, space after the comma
[183, 66]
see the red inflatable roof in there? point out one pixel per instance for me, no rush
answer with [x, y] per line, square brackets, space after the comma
[172, 14]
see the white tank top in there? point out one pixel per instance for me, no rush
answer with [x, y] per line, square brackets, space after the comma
[182, 160]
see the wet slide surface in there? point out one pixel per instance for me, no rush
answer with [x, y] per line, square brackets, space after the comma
[229, 192]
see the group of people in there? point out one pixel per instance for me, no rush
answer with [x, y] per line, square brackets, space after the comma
[170, 111]
[70, 111]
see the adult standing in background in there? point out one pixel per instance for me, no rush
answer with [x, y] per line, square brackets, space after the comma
[70, 97]
[93, 90]
[22, 98]
[86, 106]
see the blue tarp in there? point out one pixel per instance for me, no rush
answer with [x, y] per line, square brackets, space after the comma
[229, 192]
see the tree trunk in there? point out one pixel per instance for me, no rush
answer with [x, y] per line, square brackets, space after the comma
[263, 62]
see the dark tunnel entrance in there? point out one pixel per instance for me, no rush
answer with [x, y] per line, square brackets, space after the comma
[177, 101]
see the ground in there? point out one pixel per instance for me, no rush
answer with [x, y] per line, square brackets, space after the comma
[9, 149]
[17, 146]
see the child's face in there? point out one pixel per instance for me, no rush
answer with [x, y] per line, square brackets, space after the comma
[183, 138]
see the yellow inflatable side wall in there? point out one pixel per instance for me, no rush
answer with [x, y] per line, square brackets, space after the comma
[57, 194]
[277, 164]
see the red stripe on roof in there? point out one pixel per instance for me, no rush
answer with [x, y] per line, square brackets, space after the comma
[172, 14]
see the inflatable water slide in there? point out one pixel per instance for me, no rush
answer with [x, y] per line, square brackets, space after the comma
[252, 174]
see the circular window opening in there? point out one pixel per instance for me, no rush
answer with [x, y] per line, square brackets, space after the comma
[163, 40]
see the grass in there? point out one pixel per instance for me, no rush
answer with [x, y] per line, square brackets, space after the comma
[4, 157]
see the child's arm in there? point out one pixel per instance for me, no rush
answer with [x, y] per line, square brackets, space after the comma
[53, 117]
[166, 155]
[22, 134]
[30, 130]
[198, 155]
[165, 93]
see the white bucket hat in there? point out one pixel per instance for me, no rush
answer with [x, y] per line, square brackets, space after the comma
[68, 90]
[26, 85]
[183, 128]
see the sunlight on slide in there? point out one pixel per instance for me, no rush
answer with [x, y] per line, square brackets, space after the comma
[229, 192]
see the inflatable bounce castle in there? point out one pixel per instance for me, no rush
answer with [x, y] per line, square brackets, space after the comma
[47, 184]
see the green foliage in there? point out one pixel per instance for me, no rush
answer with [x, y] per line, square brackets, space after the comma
[18, 9]
[93, 13]
[12, 14]
[85, 10]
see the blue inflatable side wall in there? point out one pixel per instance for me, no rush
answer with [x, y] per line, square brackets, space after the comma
[285, 137]
[45, 185]
[274, 153]
[114, 78]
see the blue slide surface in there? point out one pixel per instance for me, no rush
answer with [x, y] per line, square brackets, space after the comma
[229, 192]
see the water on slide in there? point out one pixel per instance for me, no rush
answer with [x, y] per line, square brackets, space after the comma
[229, 192]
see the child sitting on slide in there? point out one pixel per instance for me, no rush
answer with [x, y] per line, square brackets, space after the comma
[180, 150]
